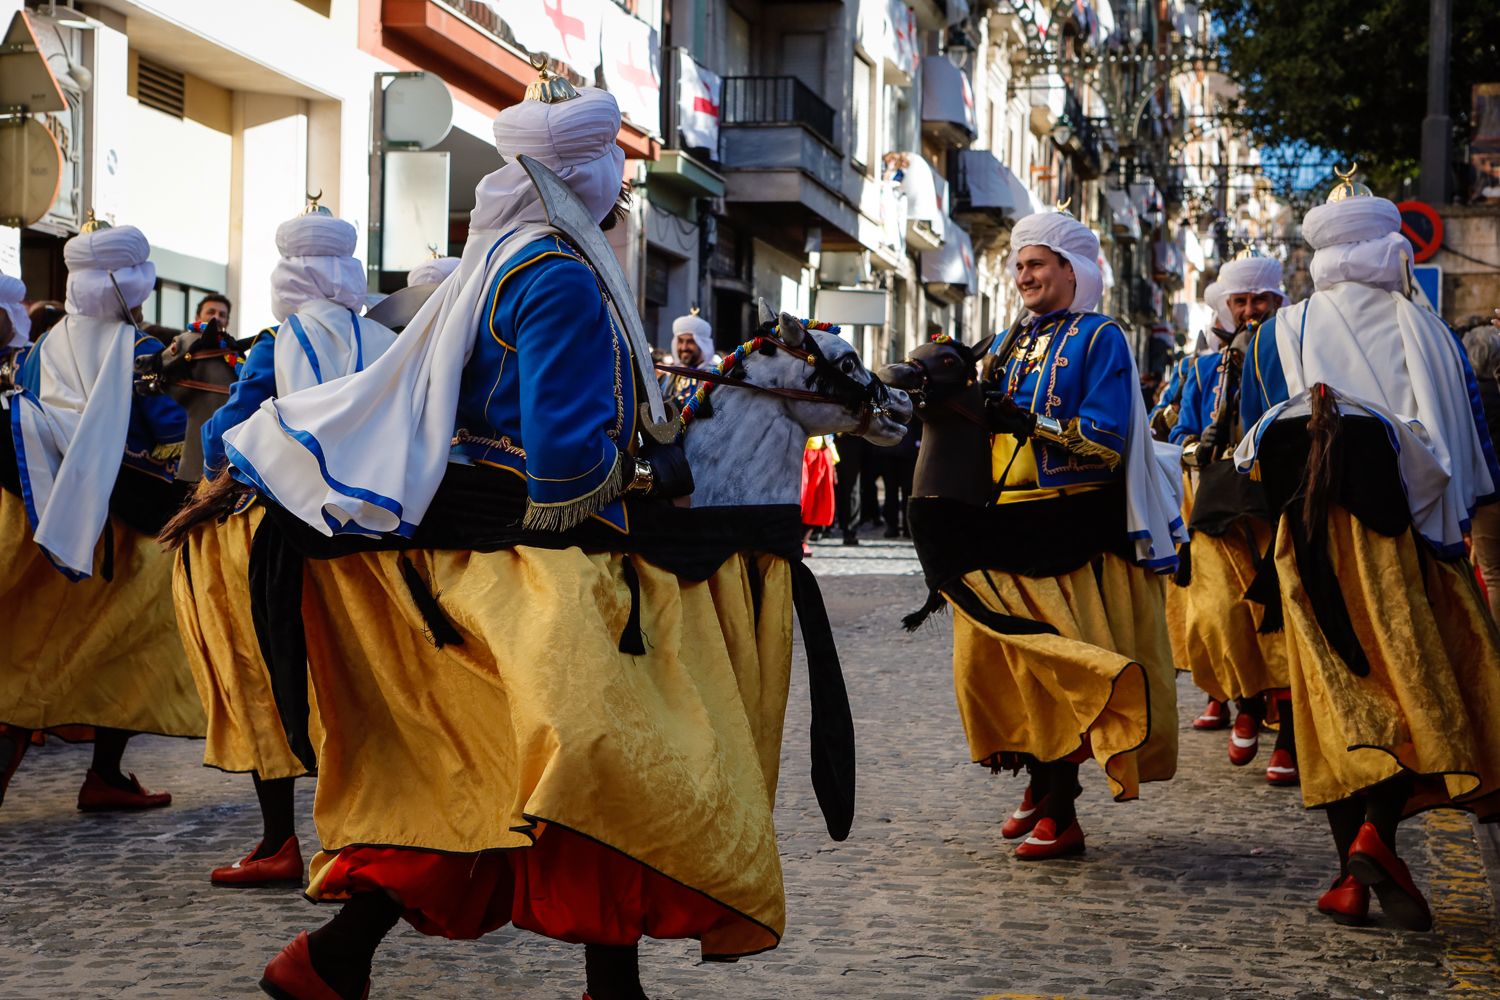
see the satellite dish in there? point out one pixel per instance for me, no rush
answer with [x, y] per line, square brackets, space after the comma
[31, 165]
[26, 81]
[418, 110]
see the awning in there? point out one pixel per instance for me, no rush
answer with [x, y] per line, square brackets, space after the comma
[946, 95]
[952, 264]
[926, 191]
[982, 183]
[1124, 220]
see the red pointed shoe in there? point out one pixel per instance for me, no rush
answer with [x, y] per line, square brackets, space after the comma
[1045, 843]
[12, 748]
[1244, 739]
[1215, 716]
[1024, 819]
[1376, 866]
[1347, 901]
[98, 796]
[1282, 771]
[285, 866]
[291, 976]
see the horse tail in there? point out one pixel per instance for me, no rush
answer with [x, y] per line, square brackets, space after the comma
[1318, 475]
[917, 618]
[213, 499]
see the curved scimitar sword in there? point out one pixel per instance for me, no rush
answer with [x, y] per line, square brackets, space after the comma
[567, 214]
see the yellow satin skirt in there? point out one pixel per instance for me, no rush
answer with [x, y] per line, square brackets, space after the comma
[1227, 654]
[93, 653]
[669, 758]
[1107, 675]
[1430, 705]
[211, 592]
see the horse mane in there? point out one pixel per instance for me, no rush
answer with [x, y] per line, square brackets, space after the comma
[214, 499]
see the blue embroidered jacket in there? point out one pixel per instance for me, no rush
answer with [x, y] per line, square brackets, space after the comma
[1076, 368]
[1264, 385]
[255, 382]
[153, 438]
[549, 390]
[1200, 394]
[1173, 393]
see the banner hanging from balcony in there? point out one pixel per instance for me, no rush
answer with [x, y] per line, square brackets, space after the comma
[902, 43]
[631, 54]
[699, 96]
[567, 30]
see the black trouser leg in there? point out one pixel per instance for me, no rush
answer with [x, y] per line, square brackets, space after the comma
[1255, 707]
[1286, 736]
[1344, 820]
[846, 498]
[109, 749]
[1385, 804]
[613, 971]
[343, 949]
[277, 814]
[13, 744]
[1062, 790]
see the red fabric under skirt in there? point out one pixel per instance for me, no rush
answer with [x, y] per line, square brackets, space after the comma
[817, 487]
[566, 887]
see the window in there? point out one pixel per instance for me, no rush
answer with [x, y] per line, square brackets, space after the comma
[864, 78]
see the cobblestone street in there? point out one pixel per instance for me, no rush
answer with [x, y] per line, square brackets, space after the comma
[1202, 889]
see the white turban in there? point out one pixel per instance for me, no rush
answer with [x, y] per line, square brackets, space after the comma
[1217, 299]
[701, 333]
[12, 294]
[1251, 275]
[120, 252]
[317, 264]
[431, 272]
[1075, 242]
[1358, 239]
[575, 139]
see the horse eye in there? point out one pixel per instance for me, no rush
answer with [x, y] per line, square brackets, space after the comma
[847, 364]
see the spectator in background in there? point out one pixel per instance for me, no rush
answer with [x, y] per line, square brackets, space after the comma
[44, 315]
[1483, 346]
[213, 306]
[847, 503]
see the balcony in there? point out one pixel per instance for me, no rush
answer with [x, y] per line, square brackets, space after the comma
[947, 104]
[777, 151]
[986, 197]
[775, 100]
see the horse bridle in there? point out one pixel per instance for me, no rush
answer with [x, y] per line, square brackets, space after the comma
[949, 402]
[158, 379]
[837, 387]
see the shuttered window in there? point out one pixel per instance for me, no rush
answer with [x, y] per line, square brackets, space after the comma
[160, 87]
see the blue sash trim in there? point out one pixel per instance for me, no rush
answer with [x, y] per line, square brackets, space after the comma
[307, 348]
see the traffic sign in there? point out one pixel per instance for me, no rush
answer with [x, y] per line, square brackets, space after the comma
[1421, 224]
[1429, 278]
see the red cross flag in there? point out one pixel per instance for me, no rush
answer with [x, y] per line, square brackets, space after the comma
[567, 30]
[631, 53]
[698, 94]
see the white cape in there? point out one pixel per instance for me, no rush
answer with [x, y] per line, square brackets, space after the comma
[1397, 361]
[323, 341]
[365, 453]
[1153, 503]
[70, 436]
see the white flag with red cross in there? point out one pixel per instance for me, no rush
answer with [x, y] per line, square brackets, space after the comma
[698, 95]
[567, 30]
[631, 52]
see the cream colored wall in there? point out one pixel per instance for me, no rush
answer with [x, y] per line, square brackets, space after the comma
[179, 191]
[270, 176]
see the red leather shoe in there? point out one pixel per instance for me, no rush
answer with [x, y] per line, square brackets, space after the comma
[1376, 866]
[1045, 843]
[1282, 771]
[12, 749]
[280, 868]
[1244, 739]
[1024, 819]
[1347, 902]
[1215, 716]
[291, 976]
[98, 796]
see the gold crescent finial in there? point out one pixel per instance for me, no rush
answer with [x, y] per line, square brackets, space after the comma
[93, 224]
[1062, 206]
[538, 60]
[548, 87]
[693, 311]
[1348, 187]
[313, 208]
[1346, 175]
[432, 249]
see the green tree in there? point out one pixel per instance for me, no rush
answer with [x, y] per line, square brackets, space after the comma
[1350, 76]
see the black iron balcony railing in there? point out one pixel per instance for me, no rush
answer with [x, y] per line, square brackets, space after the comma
[775, 100]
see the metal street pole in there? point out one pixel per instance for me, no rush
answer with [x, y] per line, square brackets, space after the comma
[1437, 127]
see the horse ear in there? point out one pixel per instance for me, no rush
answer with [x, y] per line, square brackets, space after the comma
[982, 348]
[792, 330]
[764, 317]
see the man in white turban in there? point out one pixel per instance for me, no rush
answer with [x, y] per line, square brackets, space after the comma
[497, 437]
[316, 290]
[692, 347]
[1363, 426]
[96, 464]
[15, 323]
[1221, 639]
[432, 271]
[1088, 520]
